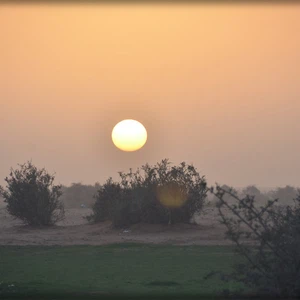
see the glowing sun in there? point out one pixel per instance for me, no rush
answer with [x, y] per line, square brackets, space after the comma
[129, 135]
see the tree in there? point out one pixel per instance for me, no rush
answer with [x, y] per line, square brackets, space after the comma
[285, 195]
[31, 196]
[268, 237]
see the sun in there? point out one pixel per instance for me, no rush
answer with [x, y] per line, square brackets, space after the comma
[129, 135]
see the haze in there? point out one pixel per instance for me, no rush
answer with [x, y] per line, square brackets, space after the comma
[215, 85]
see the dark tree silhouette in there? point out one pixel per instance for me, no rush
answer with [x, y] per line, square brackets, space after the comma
[268, 237]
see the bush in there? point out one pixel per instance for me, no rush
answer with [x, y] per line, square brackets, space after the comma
[269, 240]
[153, 194]
[32, 197]
[112, 203]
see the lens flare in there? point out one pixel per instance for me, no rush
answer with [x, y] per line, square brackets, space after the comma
[172, 194]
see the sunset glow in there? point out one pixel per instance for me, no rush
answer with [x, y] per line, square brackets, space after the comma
[216, 85]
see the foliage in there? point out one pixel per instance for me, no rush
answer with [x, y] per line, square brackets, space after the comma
[260, 198]
[78, 194]
[112, 203]
[153, 194]
[269, 238]
[215, 200]
[252, 190]
[285, 195]
[32, 197]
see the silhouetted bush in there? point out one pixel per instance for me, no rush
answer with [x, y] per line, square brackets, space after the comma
[32, 197]
[112, 203]
[268, 237]
[153, 194]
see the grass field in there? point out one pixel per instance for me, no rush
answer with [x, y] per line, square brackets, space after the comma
[119, 269]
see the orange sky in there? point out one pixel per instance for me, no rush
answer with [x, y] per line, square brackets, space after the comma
[215, 85]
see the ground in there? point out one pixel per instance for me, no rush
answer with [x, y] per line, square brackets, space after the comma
[75, 230]
[126, 269]
[97, 260]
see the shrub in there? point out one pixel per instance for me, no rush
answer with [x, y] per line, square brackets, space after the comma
[153, 194]
[272, 258]
[32, 197]
[112, 203]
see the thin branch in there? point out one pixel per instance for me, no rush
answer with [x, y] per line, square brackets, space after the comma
[220, 197]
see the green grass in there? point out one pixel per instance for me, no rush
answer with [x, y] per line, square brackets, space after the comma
[117, 269]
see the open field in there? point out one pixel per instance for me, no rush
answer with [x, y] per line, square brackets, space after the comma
[75, 258]
[117, 269]
[79, 259]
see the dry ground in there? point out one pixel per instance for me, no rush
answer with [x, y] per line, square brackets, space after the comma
[75, 230]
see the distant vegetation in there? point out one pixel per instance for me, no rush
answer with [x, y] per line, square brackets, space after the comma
[285, 195]
[79, 194]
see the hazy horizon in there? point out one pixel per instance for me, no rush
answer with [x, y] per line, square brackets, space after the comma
[215, 85]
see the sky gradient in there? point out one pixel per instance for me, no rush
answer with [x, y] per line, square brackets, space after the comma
[215, 85]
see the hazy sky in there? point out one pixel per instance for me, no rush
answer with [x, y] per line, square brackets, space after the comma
[215, 85]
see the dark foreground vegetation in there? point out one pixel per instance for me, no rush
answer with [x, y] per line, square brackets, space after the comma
[272, 262]
[112, 270]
